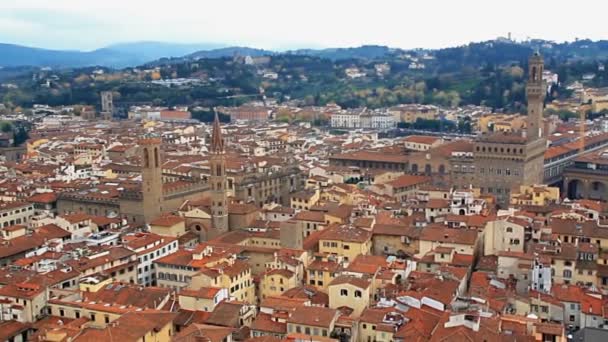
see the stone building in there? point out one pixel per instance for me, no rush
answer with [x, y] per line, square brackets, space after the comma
[107, 105]
[588, 176]
[506, 160]
[152, 178]
[138, 203]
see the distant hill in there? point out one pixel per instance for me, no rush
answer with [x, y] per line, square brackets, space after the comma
[362, 52]
[117, 55]
[148, 50]
[151, 53]
[17, 55]
[229, 52]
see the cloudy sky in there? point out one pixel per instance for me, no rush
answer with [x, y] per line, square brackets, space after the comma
[287, 24]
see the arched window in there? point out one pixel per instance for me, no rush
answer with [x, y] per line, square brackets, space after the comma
[427, 169]
[567, 274]
[534, 74]
[414, 168]
[218, 170]
[156, 157]
[146, 158]
[441, 169]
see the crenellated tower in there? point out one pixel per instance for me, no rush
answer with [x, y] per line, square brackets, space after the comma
[536, 90]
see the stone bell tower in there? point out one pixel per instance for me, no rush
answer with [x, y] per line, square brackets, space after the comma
[152, 177]
[217, 179]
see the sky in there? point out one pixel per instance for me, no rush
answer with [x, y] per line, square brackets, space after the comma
[288, 24]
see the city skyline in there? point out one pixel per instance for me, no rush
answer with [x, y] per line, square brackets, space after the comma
[68, 24]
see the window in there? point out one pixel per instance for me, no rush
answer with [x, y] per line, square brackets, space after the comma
[567, 274]
[509, 230]
[343, 292]
[358, 294]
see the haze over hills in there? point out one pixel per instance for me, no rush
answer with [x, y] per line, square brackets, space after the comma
[153, 53]
[115, 55]
[137, 53]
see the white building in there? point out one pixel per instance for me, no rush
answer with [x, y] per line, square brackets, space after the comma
[149, 247]
[345, 120]
[376, 120]
[541, 276]
[362, 119]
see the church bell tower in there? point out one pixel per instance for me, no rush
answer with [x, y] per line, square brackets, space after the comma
[152, 178]
[217, 179]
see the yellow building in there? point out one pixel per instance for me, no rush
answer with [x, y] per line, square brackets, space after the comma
[275, 282]
[350, 292]
[535, 195]
[233, 275]
[345, 240]
[303, 200]
[322, 271]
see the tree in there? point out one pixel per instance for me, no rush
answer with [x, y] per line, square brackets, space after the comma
[6, 127]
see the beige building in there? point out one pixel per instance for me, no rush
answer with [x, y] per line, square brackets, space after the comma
[276, 281]
[15, 213]
[461, 240]
[169, 225]
[350, 292]
[30, 299]
[202, 299]
[505, 235]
